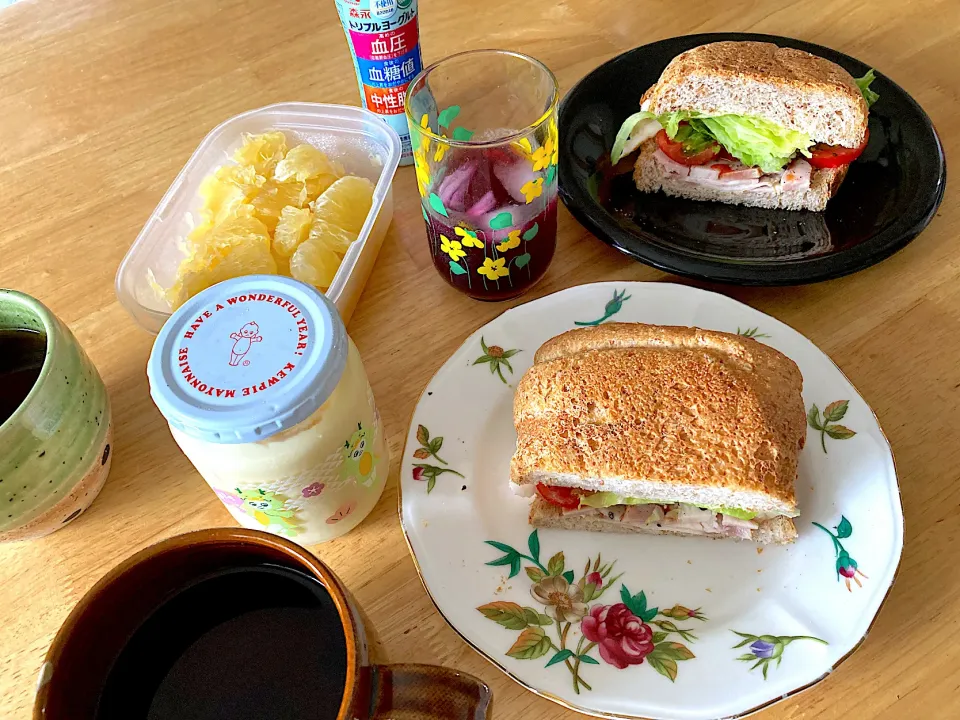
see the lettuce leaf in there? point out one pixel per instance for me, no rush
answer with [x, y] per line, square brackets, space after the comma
[757, 142]
[609, 499]
[864, 84]
[736, 512]
[752, 140]
[693, 138]
[635, 129]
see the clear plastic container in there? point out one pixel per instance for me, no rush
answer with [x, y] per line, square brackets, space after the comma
[358, 139]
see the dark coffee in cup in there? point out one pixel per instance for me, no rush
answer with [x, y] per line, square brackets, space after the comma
[21, 358]
[244, 643]
[233, 624]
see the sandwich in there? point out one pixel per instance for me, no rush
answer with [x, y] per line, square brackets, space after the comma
[748, 123]
[635, 428]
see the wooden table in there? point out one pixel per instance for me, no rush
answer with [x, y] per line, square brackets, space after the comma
[102, 102]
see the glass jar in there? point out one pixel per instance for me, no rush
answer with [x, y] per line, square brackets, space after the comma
[267, 396]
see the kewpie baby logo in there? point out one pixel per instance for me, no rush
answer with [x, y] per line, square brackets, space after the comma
[249, 334]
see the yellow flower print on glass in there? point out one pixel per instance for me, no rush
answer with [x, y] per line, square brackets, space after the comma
[553, 143]
[541, 157]
[532, 189]
[440, 151]
[494, 269]
[451, 248]
[468, 237]
[546, 155]
[512, 241]
[523, 147]
[425, 140]
[423, 170]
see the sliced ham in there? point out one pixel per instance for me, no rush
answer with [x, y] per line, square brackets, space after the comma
[734, 175]
[585, 511]
[643, 514]
[730, 521]
[677, 518]
[737, 532]
[704, 172]
[669, 166]
[693, 518]
[740, 174]
[796, 176]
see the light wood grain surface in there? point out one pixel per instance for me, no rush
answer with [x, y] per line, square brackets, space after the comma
[102, 102]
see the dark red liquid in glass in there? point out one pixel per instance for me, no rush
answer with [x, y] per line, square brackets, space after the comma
[492, 244]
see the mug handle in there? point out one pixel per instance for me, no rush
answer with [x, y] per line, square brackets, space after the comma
[427, 692]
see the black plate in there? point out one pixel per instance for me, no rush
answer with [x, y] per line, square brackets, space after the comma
[890, 194]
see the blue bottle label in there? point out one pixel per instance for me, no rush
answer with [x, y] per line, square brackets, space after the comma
[384, 40]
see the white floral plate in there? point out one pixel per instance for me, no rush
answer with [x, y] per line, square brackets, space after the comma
[649, 626]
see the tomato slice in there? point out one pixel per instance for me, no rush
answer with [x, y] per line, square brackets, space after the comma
[678, 153]
[567, 498]
[833, 156]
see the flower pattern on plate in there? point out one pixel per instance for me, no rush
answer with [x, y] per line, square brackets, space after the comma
[753, 332]
[846, 566]
[449, 539]
[614, 306]
[495, 356]
[764, 649]
[828, 424]
[429, 447]
[622, 633]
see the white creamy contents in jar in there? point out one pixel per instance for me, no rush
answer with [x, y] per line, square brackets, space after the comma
[268, 398]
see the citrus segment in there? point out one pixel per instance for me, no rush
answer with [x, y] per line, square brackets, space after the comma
[273, 197]
[263, 152]
[346, 203]
[275, 210]
[332, 236]
[314, 263]
[304, 162]
[317, 185]
[236, 247]
[292, 229]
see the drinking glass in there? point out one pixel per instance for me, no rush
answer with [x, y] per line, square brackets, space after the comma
[483, 125]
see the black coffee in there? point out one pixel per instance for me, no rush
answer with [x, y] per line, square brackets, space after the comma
[251, 643]
[21, 358]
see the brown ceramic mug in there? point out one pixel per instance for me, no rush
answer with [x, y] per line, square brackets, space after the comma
[84, 657]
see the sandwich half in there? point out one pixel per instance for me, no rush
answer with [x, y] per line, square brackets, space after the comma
[748, 123]
[637, 428]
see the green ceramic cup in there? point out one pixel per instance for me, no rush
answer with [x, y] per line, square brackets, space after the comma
[55, 448]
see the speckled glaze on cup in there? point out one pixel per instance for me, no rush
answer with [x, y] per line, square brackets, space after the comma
[55, 449]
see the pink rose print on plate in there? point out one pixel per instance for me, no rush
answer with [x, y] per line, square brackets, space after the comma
[313, 490]
[348, 507]
[620, 633]
[228, 498]
[623, 638]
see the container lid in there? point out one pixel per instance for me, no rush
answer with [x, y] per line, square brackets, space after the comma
[247, 358]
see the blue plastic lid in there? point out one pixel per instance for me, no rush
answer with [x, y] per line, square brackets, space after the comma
[247, 358]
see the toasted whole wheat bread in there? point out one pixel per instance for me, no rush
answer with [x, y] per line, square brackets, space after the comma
[650, 177]
[789, 87]
[670, 413]
[775, 531]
